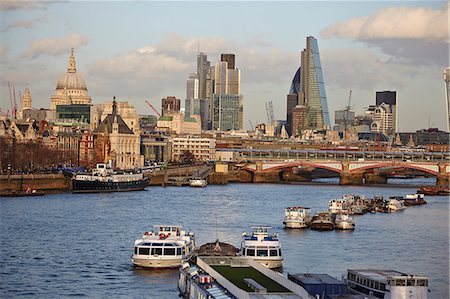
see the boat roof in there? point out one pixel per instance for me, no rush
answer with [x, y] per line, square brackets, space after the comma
[378, 275]
[297, 207]
[162, 225]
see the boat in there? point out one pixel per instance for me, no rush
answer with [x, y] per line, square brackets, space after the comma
[168, 246]
[105, 179]
[322, 221]
[338, 205]
[413, 199]
[440, 190]
[20, 193]
[297, 217]
[198, 183]
[357, 204]
[217, 248]
[394, 205]
[262, 247]
[344, 221]
[386, 284]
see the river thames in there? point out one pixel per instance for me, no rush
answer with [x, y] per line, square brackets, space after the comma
[65, 245]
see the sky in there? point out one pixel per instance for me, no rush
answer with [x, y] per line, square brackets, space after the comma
[145, 50]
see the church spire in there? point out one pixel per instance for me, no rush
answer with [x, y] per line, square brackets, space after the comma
[71, 68]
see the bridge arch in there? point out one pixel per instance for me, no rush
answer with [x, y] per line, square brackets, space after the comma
[428, 168]
[335, 167]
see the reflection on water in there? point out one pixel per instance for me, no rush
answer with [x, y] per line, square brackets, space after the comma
[80, 244]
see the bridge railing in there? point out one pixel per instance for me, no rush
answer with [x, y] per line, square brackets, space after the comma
[287, 155]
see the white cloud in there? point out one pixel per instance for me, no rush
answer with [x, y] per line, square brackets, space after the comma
[25, 23]
[55, 46]
[395, 23]
[26, 5]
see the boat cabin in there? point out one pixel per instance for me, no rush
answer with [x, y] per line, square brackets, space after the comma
[159, 249]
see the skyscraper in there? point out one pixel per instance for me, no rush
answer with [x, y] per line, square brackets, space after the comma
[389, 98]
[203, 66]
[227, 102]
[229, 58]
[312, 86]
[447, 93]
[192, 102]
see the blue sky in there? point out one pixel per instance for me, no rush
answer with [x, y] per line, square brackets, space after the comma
[145, 50]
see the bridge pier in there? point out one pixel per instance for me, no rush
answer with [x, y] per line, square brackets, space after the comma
[351, 179]
[442, 179]
[373, 178]
[266, 177]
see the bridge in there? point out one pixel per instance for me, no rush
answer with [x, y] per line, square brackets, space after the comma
[352, 167]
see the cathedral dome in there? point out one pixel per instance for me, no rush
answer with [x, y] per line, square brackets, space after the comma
[71, 80]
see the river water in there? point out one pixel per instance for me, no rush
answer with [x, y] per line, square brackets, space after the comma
[80, 244]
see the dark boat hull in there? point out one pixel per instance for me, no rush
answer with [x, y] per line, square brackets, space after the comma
[79, 186]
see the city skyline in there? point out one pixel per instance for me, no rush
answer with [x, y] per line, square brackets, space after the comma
[146, 51]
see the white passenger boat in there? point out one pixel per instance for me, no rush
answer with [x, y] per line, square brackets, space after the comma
[262, 247]
[344, 221]
[387, 284]
[297, 217]
[394, 205]
[338, 205]
[166, 247]
[198, 183]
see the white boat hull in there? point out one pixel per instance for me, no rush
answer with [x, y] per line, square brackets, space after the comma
[295, 224]
[345, 225]
[157, 262]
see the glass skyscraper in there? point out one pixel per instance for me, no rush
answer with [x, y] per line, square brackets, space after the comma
[312, 87]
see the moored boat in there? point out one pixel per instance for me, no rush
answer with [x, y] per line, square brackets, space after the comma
[262, 247]
[167, 247]
[439, 190]
[344, 221]
[386, 284]
[413, 199]
[198, 183]
[394, 205]
[297, 217]
[104, 179]
[322, 221]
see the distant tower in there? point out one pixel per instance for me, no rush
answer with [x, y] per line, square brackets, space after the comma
[447, 94]
[26, 99]
[390, 98]
[312, 86]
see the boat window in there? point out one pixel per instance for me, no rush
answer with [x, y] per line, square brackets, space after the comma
[169, 244]
[135, 250]
[399, 282]
[145, 244]
[422, 282]
[156, 251]
[178, 251]
[250, 252]
[144, 251]
[411, 282]
[279, 252]
[273, 252]
[169, 251]
[158, 244]
[261, 252]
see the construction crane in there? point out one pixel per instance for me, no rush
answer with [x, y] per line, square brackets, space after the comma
[347, 110]
[153, 108]
[251, 125]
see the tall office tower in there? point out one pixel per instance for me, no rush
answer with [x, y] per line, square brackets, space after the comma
[192, 102]
[203, 66]
[447, 93]
[389, 98]
[170, 105]
[292, 102]
[229, 58]
[228, 112]
[227, 102]
[312, 86]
